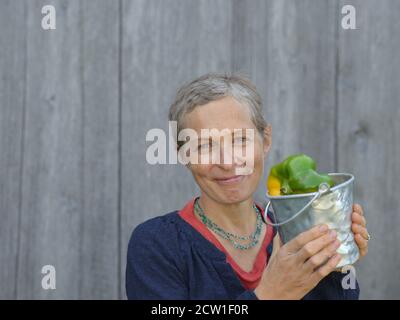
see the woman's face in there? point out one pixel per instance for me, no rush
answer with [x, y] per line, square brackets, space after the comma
[225, 181]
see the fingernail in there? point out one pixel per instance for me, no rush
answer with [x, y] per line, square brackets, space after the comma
[332, 234]
[323, 228]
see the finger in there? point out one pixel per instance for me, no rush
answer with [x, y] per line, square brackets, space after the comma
[358, 218]
[322, 257]
[362, 243]
[276, 244]
[364, 250]
[357, 229]
[313, 247]
[358, 208]
[363, 253]
[298, 242]
[327, 268]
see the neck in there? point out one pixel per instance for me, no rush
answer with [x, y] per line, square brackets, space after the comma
[237, 217]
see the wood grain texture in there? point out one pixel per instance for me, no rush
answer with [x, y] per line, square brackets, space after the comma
[70, 192]
[12, 90]
[369, 134]
[100, 80]
[51, 216]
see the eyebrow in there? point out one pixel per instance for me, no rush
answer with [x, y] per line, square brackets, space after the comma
[242, 132]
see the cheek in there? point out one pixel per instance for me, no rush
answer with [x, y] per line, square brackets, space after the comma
[257, 159]
[258, 168]
[199, 171]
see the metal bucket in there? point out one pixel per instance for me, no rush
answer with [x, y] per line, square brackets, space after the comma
[296, 213]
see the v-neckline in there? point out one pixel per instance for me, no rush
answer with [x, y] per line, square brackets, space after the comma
[187, 214]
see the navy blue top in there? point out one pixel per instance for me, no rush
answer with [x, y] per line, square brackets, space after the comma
[169, 259]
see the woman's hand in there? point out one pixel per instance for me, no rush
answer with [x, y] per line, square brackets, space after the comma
[299, 265]
[359, 229]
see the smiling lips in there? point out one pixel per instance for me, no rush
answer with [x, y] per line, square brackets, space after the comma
[230, 180]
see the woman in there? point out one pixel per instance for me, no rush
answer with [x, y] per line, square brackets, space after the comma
[218, 246]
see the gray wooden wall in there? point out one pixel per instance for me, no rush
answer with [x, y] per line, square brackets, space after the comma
[77, 102]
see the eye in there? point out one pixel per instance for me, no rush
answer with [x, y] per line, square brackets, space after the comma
[204, 147]
[240, 140]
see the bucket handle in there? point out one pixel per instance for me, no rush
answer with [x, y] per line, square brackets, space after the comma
[322, 189]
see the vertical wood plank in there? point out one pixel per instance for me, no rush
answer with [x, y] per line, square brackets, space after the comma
[100, 213]
[165, 43]
[12, 62]
[70, 192]
[52, 193]
[288, 49]
[368, 135]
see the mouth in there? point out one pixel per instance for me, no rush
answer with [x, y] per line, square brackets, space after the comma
[230, 180]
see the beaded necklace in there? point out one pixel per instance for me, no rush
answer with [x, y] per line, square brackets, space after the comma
[232, 238]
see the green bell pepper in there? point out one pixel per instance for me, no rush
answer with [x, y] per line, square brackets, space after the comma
[297, 174]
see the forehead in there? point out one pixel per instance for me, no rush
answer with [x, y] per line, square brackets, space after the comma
[225, 113]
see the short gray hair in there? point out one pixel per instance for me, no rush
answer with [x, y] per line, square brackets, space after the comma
[214, 86]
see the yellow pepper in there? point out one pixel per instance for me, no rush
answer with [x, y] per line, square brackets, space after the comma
[273, 185]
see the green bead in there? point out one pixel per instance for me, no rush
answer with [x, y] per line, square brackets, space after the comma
[254, 237]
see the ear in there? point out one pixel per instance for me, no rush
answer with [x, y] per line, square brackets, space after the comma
[267, 139]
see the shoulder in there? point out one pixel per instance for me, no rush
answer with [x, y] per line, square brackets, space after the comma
[157, 242]
[155, 266]
[156, 230]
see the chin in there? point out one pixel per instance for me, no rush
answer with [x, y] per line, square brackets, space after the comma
[231, 199]
[235, 195]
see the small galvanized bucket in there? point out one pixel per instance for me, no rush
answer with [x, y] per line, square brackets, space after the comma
[296, 213]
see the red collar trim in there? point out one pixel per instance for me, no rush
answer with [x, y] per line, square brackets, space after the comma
[187, 214]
